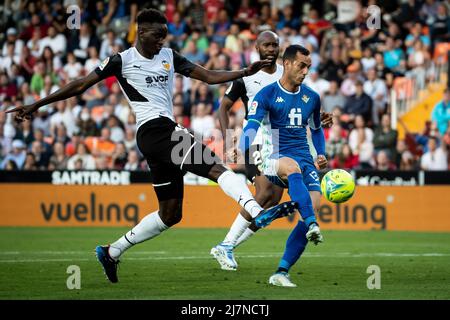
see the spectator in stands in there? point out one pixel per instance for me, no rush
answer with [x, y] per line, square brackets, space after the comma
[440, 28]
[202, 123]
[385, 138]
[441, 113]
[383, 163]
[58, 160]
[177, 30]
[8, 60]
[435, 158]
[101, 146]
[64, 116]
[336, 139]
[345, 159]
[87, 160]
[332, 68]
[86, 124]
[333, 98]
[376, 89]
[73, 69]
[107, 45]
[17, 154]
[407, 161]
[119, 156]
[358, 104]
[133, 161]
[392, 55]
[287, 19]
[57, 42]
[93, 61]
[81, 41]
[30, 162]
[130, 141]
[192, 53]
[116, 128]
[40, 156]
[416, 34]
[317, 83]
[12, 38]
[368, 61]
[361, 143]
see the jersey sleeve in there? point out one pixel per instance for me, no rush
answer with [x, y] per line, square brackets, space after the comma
[256, 114]
[182, 65]
[111, 66]
[236, 90]
[317, 135]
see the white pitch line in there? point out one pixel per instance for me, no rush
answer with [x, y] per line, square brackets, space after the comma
[272, 255]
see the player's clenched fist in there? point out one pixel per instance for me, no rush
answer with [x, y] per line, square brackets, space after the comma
[326, 118]
[321, 162]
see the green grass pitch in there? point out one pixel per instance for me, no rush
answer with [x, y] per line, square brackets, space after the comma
[177, 265]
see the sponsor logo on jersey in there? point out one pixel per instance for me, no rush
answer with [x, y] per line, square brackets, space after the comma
[253, 107]
[166, 65]
[305, 98]
[104, 63]
[279, 99]
[295, 117]
[157, 80]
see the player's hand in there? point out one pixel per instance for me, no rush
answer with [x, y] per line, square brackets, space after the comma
[256, 66]
[23, 112]
[321, 162]
[326, 118]
[231, 155]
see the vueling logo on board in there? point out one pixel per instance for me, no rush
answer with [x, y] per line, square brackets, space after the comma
[90, 211]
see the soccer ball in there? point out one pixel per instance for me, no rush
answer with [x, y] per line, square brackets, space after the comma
[337, 185]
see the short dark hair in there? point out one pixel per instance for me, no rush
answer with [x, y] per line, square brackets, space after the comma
[291, 52]
[151, 16]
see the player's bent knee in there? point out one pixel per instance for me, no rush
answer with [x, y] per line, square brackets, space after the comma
[216, 171]
[171, 212]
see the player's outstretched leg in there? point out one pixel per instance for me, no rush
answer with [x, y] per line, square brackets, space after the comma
[299, 193]
[149, 227]
[109, 264]
[237, 189]
[267, 195]
[295, 245]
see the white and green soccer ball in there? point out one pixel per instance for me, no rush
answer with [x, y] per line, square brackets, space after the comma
[337, 185]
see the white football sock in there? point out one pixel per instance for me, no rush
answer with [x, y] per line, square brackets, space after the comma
[247, 234]
[238, 227]
[237, 189]
[149, 227]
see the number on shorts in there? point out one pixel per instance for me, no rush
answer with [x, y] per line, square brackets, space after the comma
[314, 175]
[257, 158]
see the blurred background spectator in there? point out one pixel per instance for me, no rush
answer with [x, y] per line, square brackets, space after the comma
[354, 69]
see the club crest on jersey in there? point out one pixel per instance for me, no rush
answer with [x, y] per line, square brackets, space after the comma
[166, 65]
[305, 98]
[253, 107]
[104, 63]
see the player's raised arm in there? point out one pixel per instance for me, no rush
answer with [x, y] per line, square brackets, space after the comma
[73, 88]
[220, 76]
[234, 92]
[110, 66]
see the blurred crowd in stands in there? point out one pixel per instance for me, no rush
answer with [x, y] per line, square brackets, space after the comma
[353, 69]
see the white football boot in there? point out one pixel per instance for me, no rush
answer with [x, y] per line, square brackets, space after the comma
[224, 256]
[281, 279]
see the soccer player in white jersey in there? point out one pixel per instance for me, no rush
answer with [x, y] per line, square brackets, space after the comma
[145, 74]
[267, 194]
